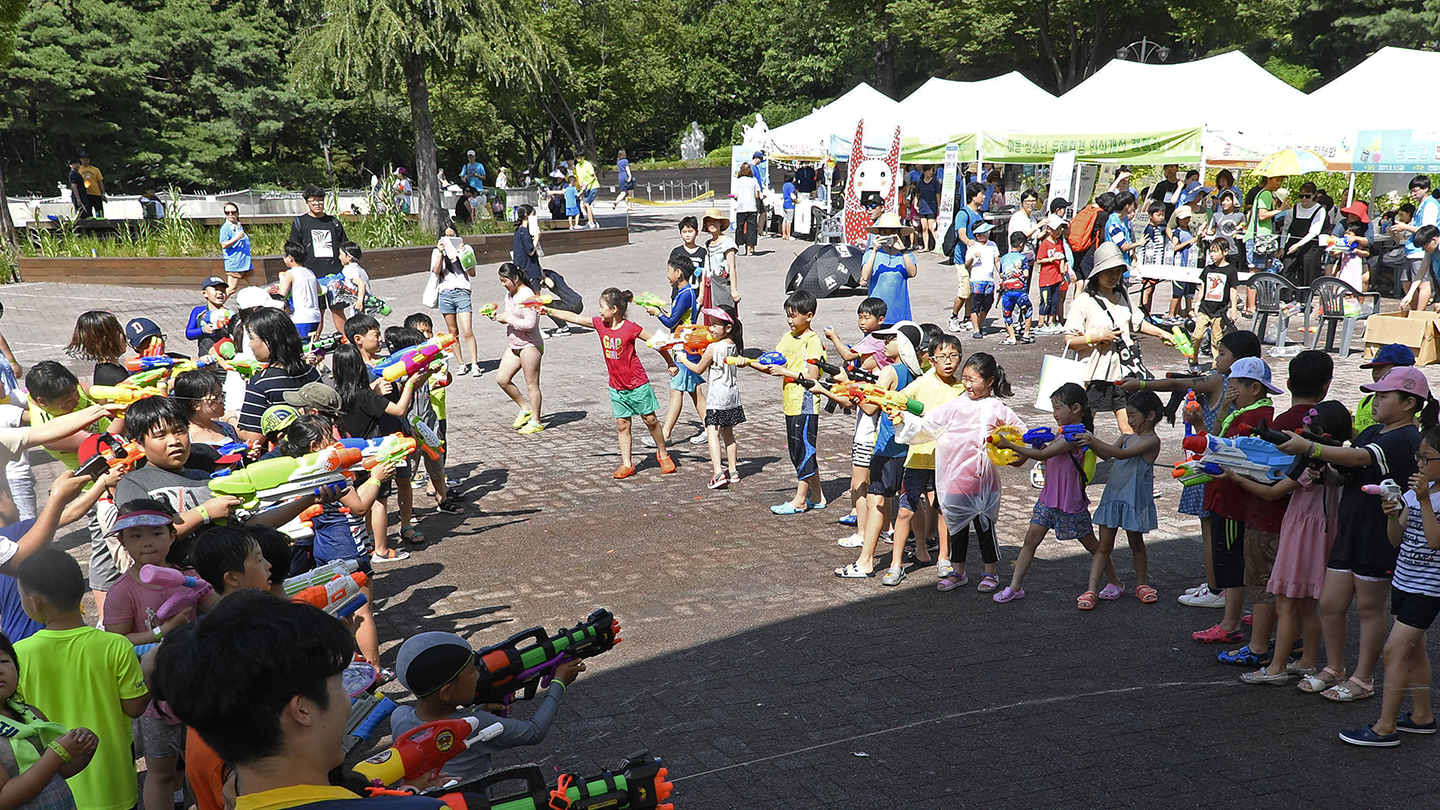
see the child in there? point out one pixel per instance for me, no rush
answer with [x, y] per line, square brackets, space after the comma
[1182, 243]
[722, 410]
[81, 677]
[40, 754]
[802, 424]
[1062, 505]
[1055, 276]
[297, 282]
[200, 396]
[887, 465]
[1015, 283]
[424, 422]
[688, 249]
[356, 278]
[524, 347]
[147, 531]
[684, 309]
[439, 387]
[1152, 249]
[630, 392]
[439, 669]
[572, 201]
[1386, 357]
[99, 339]
[1352, 268]
[982, 261]
[1219, 297]
[936, 387]
[787, 221]
[1362, 558]
[1306, 536]
[966, 483]
[1128, 502]
[1415, 601]
[869, 353]
[200, 326]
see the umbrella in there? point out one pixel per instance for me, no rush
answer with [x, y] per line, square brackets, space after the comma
[1290, 162]
[823, 269]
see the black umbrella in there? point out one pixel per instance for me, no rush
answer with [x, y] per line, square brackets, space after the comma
[823, 269]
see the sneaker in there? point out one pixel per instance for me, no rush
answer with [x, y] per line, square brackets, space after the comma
[463, 370]
[647, 440]
[853, 541]
[1205, 599]
[1202, 587]
[888, 536]
[718, 480]
[532, 427]
[389, 555]
[848, 520]
[451, 483]
[1009, 341]
[1367, 736]
[1406, 724]
[956, 325]
[978, 335]
[700, 438]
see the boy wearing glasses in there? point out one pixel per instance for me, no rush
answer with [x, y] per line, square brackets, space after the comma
[235, 247]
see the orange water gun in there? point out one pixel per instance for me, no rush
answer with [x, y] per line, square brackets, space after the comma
[425, 749]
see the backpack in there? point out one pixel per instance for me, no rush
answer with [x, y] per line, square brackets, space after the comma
[1082, 229]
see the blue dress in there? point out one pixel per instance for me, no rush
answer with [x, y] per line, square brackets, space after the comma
[1129, 499]
[889, 283]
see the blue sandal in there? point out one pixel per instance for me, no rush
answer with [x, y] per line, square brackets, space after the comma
[1243, 657]
[787, 508]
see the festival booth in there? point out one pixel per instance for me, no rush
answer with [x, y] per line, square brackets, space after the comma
[1392, 133]
[942, 113]
[826, 132]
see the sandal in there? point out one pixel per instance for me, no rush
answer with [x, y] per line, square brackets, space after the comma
[1009, 595]
[1086, 600]
[893, 576]
[623, 471]
[1112, 590]
[951, 581]
[1245, 658]
[988, 583]
[1349, 690]
[1146, 594]
[410, 534]
[1217, 635]
[1319, 681]
[852, 571]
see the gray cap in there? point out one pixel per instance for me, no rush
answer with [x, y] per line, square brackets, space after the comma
[316, 395]
[428, 661]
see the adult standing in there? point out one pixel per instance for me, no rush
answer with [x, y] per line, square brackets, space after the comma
[721, 284]
[963, 232]
[273, 340]
[452, 282]
[994, 194]
[625, 178]
[1101, 327]
[1427, 212]
[747, 209]
[1024, 221]
[403, 190]
[888, 267]
[319, 233]
[927, 206]
[805, 181]
[94, 185]
[589, 189]
[473, 172]
[1302, 238]
[1262, 240]
[235, 248]
[760, 167]
[78, 196]
[1166, 191]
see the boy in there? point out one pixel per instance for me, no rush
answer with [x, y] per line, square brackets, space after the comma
[1227, 222]
[1237, 518]
[696, 254]
[1015, 283]
[683, 310]
[357, 279]
[982, 261]
[363, 332]
[1219, 298]
[572, 201]
[1055, 275]
[439, 669]
[20, 540]
[802, 424]
[787, 222]
[439, 382]
[870, 351]
[200, 326]
[966, 220]
[297, 282]
[1182, 240]
[1389, 356]
[1152, 250]
[81, 676]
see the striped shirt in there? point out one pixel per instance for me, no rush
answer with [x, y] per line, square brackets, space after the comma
[1117, 230]
[1418, 568]
[268, 388]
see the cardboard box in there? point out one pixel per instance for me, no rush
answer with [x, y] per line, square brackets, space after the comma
[1418, 330]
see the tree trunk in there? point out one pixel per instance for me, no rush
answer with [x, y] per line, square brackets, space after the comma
[426, 181]
[885, 55]
[8, 238]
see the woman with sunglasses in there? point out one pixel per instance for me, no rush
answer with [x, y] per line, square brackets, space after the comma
[235, 247]
[1302, 238]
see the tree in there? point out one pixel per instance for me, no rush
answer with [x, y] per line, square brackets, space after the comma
[1334, 36]
[367, 44]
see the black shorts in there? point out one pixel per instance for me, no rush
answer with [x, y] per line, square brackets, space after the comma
[1413, 609]
[1370, 557]
[800, 438]
[886, 473]
[1106, 397]
[1227, 549]
[918, 482]
[981, 303]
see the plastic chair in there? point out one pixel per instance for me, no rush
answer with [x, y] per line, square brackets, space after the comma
[1272, 291]
[1332, 294]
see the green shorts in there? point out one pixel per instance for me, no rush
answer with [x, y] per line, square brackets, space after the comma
[635, 402]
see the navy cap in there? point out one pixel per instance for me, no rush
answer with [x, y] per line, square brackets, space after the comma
[428, 661]
[139, 330]
[1392, 354]
[213, 281]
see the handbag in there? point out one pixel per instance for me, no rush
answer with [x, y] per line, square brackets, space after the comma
[1132, 362]
[1055, 372]
[1266, 244]
[431, 296]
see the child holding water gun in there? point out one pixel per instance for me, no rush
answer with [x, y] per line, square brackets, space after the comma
[966, 482]
[439, 387]
[684, 309]
[1129, 501]
[201, 326]
[36, 755]
[722, 409]
[424, 423]
[1062, 505]
[630, 392]
[870, 351]
[524, 347]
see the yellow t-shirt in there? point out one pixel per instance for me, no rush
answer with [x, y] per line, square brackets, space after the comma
[929, 390]
[292, 796]
[794, 399]
[39, 415]
[585, 174]
[78, 678]
[93, 180]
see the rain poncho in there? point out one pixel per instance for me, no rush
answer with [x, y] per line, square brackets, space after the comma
[966, 481]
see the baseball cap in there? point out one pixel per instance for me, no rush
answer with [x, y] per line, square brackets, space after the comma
[1055, 221]
[276, 418]
[314, 395]
[139, 330]
[143, 517]
[428, 661]
[758, 154]
[1253, 368]
[213, 281]
[1405, 379]
[470, 151]
[984, 227]
[253, 297]
[1392, 354]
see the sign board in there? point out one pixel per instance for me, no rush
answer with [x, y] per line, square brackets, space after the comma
[1397, 150]
[947, 191]
[1062, 170]
[1143, 148]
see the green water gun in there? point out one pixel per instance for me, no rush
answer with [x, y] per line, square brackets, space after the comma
[1182, 342]
[649, 299]
[641, 783]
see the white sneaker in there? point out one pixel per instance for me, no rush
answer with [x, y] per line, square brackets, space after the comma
[700, 438]
[853, 541]
[888, 536]
[1009, 341]
[956, 325]
[1201, 588]
[1203, 600]
[647, 440]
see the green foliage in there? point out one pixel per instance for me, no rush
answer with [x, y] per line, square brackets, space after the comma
[10, 13]
[1297, 76]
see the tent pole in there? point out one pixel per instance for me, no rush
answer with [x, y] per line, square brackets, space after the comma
[1350, 191]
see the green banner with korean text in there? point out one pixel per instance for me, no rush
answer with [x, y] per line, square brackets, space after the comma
[1146, 148]
[913, 151]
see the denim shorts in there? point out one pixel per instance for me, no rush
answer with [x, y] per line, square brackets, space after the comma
[454, 301]
[591, 195]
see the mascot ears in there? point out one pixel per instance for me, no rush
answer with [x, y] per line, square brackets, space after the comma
[868, 182]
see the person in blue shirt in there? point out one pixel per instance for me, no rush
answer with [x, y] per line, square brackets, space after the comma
[235, 248]
[787, 222]
[625, 178]
[21, 539]
[684, 310]
[572, 202]
[204, 326]
[963, 227]
[473, 172]
[1117, 225]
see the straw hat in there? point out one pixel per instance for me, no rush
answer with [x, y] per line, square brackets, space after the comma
[890, 221]
[715, 214]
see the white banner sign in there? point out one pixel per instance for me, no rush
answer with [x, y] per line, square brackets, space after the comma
[1061, 170]
[947, 190]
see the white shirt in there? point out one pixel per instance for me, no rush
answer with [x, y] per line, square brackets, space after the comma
[746, 189]
[982, 259]
[1020, 222]
[304, 296]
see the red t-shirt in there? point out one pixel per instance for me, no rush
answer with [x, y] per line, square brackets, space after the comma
[618, 346]
[1049, 270]
[1230, 500]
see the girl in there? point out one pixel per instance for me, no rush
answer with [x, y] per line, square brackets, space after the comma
[1062, 504]
[99, 339]
[272, 339]
[630, 392]
[1306, 535]
[453, 286]
[1415, 600]
[722, 408]
[524, 347]
[1129, 500]
[333, 538]
[722, 285]
[36, 755]
[1362, 559]
[201, 399]
[966, 482]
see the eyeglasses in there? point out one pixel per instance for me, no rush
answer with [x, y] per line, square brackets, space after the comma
[230, 211]
[1421, 459]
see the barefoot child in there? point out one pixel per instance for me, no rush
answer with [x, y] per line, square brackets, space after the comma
[1129, 501]
[683, 310]
[722, 409]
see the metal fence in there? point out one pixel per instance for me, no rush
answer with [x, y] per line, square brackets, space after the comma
[672, 191]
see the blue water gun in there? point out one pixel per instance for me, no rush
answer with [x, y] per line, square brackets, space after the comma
[1041, 436]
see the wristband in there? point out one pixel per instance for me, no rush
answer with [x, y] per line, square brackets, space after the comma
[1142, 385]
[159, 634]
[204, 515]
[54, 745]
[1315, 449]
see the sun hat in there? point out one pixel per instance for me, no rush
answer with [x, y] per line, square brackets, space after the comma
[142, 517]
[1182, 212]
[1392, 354]
[1358, 209]
[983, 227]
[1405, 379]
[890, 220]
[428, 661]
[908, 336]
[1253, 368]
[718, 314]
[276, 418]
[716, 214]
[1108, 257]
[254, 298]
[316, 395]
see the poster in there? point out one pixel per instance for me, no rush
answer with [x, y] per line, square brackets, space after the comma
[1061, 173]
[1143, 148]
[947, 189]
[1397, 150]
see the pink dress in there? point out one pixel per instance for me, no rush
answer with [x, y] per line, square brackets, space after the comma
[1305, 538]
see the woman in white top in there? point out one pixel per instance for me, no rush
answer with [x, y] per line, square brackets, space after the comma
[747, 209]
[1302, 237]
[1100, 329]
[452, 281]
[1023, 220]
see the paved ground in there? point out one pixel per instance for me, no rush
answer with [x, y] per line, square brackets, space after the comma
[763, 680]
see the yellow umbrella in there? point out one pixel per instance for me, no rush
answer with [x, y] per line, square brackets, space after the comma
[1290, 162]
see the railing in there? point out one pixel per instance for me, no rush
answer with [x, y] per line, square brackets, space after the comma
[672, 191]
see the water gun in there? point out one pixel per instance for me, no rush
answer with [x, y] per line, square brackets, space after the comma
[1388, 490]
[337, 283]
[223, 348]
[153, 362]
[246, 367]
[274, 480]
[888, 400]
[855, 373]
[427, 439]
[640, 784]
[123, 394]
[1182, 342]
[425, 749]
[649, 299]
[1193, 412]
[339, 597]
[1339, 244]
[321, 345]
[1002, 456]
[766, 359]
[1195, 471]
[367, 712]
[509, 668]
[693, 336]
[319, 576]
[489, 310]
[1041, 436]
[216, 318]
[195, 590]
[109, 454]
[1249, 456]
[374, 452]
[538, 302]
[415, 358]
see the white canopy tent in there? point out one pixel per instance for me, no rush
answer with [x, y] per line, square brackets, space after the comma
[1389, 68]
[944, 111]
[811, 136]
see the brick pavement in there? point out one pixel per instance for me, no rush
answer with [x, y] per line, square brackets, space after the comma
[763, 680]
